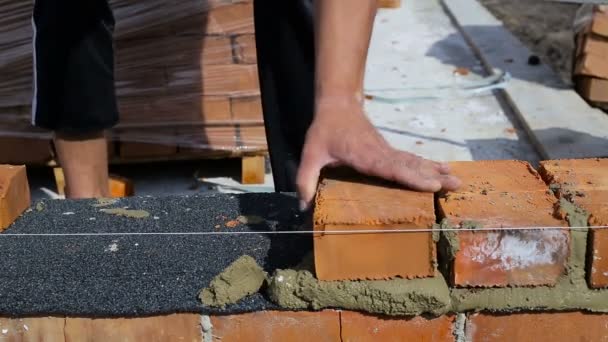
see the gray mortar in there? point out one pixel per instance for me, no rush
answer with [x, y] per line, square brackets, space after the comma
[436, 232]
[576, 216]
[105, 202]
[299, 290]
[570, 293]
[40, 206]
[207, 328]
[250, 219]
[240, 279]
[459, 331]
[139, 214]
[451, 244]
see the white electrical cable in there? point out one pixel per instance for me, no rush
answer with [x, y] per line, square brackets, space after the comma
[470, 89]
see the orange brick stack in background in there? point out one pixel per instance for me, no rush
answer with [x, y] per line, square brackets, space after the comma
[591, 59]
[186, 78]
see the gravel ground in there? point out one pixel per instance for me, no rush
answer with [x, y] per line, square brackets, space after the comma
[544, 26]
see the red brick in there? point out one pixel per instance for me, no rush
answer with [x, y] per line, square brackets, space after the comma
[576, 174]
[225, 19]
[506, 257]
[203, 140]
[245, 49]
[591, 65]
[14, 194]
[158, 18]
[278, 326]
[133, 150]
[177, 327]
[593, 89]
[389, 3]
[32, 329]
[30, 151]
[599, 24]
[252, 138]
[175, 109]
[493, 176]
[121, 186]
[231, 19]
[146, 143]
[215, 80]
[358, 327]
[554, 327]
[173, 51]
[247, 109]
[207, 50]
[145, 81]
[353, 202]
[595, 45]
[585, 183]
[598, 245]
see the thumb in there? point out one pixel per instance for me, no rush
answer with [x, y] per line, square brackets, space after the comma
[308, 175]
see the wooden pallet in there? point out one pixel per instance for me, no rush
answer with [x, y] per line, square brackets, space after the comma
[253, 171]
[40, 152]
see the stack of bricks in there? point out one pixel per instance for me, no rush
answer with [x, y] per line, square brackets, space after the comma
[186, 78]
[190, 85]
[591, 68]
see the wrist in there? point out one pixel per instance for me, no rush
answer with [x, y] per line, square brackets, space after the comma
[338, 107]
[339, 99]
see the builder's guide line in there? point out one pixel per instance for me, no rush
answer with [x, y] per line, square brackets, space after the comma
[300, 232]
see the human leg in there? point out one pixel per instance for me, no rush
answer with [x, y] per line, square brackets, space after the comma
[74, 92]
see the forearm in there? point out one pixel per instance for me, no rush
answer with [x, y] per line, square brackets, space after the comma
[343, 32]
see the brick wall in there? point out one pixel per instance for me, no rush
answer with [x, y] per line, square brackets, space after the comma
[544, 283]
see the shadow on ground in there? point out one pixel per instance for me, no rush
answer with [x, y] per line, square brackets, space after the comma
[271, 217]
[565, 142]
[516, 64]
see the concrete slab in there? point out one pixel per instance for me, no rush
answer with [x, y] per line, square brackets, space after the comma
[560, 123]
[417, 46]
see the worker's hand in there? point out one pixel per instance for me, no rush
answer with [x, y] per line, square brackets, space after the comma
[341, 134]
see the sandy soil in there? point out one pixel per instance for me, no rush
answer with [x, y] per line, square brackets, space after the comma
[545, 27]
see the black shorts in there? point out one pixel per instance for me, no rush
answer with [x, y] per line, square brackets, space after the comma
[73, 66]
[74, 73]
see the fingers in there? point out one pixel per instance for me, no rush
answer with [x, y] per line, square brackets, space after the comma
[443, 168]
[450, 183]
[307, 180]
[411, 171]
